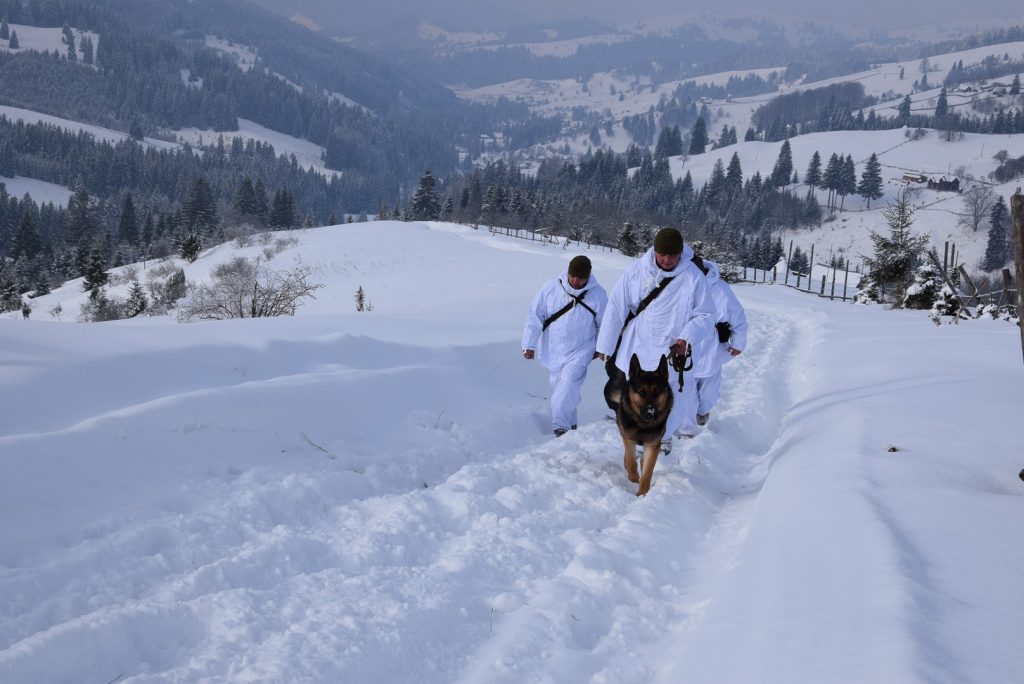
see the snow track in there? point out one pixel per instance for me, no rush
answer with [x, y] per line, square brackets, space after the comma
[350, 498]
[531, 565]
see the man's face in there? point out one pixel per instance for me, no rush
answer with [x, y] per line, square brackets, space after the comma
[577, 283]
[666, 262]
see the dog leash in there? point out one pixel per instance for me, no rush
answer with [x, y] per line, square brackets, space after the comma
[681, 364]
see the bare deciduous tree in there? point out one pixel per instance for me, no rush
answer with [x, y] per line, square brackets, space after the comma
[246, 289]
[978, 202]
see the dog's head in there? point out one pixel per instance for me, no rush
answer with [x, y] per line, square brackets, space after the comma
[649, 392]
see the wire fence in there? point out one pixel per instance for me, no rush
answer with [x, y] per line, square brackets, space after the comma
[554, 240]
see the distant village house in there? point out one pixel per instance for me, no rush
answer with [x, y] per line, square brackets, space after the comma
[944, 185]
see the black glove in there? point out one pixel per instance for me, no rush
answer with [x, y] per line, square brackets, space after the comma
[724, 331]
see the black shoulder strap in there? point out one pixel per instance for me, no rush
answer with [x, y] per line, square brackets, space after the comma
[651, 296]
[573, 301]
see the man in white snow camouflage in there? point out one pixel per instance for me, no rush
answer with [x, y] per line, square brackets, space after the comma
[727, 343]
[561, 332]
[680, 315]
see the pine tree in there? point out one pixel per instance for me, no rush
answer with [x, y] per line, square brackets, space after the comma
[72, 52]
[734, 176]
[81, 222]
[810, 214]
[5, 30]
[629, 240]
[699, 136]
[95, 273]
[996, 252]
[903, 116]
[245, 199]
[135, 130]
[1015, 86]
[847, 179]
[128, 225]
[425, 205]
[137, 300]
[831, 180]
[10, 297]
[870, 186]
[42, 283]
[897, 255]
[282, 213]
[798, 262]
[13, 41]
[87, 50]
[783, 166]
[190, 247]
[813, 175]
[147, 229]
[27, 241]
[262, 202]
[941, 106]
[199, 211]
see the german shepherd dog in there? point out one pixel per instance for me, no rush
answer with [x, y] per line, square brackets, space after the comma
[641, 403]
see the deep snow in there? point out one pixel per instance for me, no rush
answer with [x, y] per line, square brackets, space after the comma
[374, 496]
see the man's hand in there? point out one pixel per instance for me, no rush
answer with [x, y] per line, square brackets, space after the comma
[681, 346]
[528, 354]
[734, 351]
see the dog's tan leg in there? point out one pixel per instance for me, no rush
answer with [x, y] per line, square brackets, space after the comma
[629, 461]
[651, 452]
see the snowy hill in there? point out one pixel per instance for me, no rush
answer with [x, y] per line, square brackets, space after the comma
[374, 496]
[937, 213]
[47, 39]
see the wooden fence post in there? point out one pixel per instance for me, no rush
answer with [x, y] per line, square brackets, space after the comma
[846, 279]
[1017, 205]
[975, 293]
[810, 269]
[832, 297]
[788, 260]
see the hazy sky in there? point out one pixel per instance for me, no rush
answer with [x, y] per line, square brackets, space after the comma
[497, 13]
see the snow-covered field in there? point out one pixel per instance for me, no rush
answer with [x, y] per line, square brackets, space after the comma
[41, 191]
[245, 57]
[937, 213]
[352, 496]
[47, 39]
[625, 95]
[308, 154]
[101, 133]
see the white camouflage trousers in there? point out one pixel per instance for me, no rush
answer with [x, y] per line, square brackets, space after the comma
[699, 396]
[683, 418]
[566, 391]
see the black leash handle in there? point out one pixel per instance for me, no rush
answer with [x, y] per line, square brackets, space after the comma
[681, 364]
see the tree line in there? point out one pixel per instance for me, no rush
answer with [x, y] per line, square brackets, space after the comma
[601, 199]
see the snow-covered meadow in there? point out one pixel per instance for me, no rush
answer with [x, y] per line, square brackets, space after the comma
[374, 496]
[937, 213]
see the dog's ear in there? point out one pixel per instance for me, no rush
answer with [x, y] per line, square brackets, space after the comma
[663, 367]
[634, 365]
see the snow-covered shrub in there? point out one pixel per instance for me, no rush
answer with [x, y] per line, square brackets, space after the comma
[242, 288]
[728, 266]
[997, 313]
[922, 293]
[99, 308]
[869, 293]
[164, 293]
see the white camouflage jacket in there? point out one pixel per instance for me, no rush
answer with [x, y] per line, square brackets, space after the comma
[571, 338]
[709, 357]
[682, 311]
